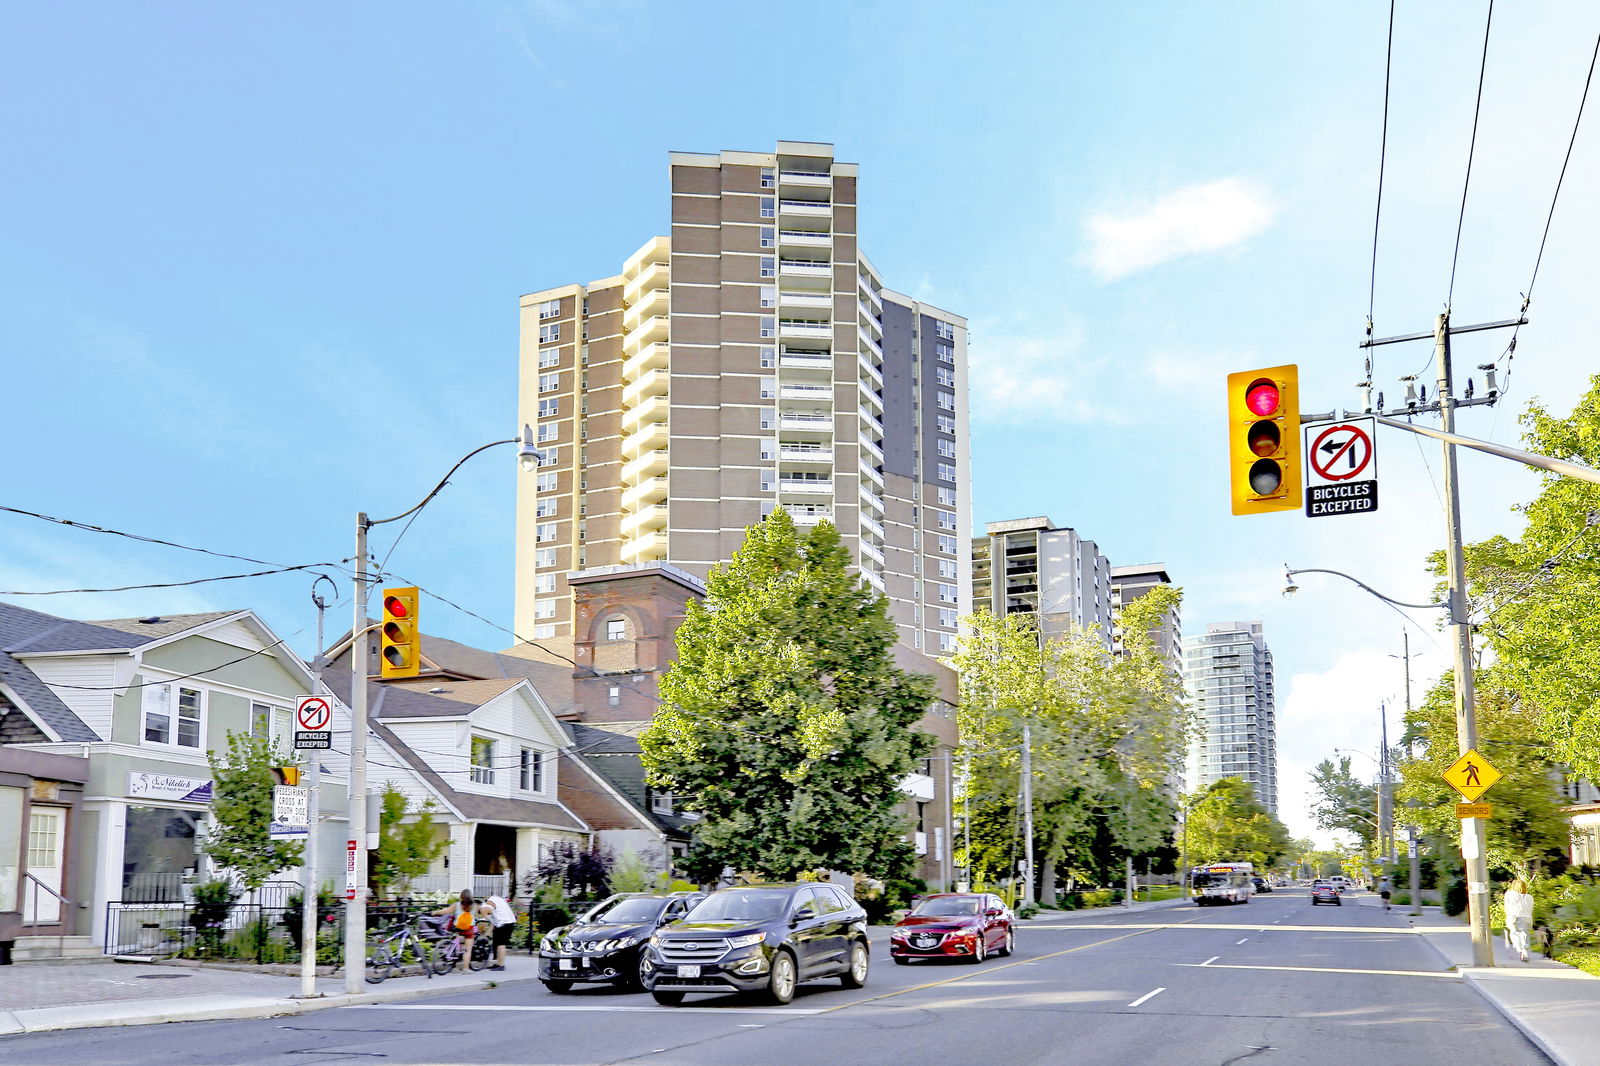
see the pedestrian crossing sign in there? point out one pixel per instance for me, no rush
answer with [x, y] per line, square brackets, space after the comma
[1471, 775]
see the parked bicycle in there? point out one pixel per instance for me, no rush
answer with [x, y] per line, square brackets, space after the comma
[454, 945]
[390, 952]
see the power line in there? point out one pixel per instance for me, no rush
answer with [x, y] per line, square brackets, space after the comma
[1471, 149]
[180, 677]
[166, 584]
[1383, 153]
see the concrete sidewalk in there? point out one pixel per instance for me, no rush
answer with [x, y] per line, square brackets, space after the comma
[1555, 1005]
[38, 997]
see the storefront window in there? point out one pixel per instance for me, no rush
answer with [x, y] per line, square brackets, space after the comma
[160, 847]
[10, 847]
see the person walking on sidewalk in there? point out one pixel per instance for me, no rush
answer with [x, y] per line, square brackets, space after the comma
[1519, 916]
[504, 922]
[1385, 889]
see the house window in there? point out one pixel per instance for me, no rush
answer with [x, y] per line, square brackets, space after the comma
[661, 802]
[946, 401]
[944, 353]
[769, 358]
[947, 568]
[269, 722]
[549, 382]
[944, 330]
[613, 695]
[947, 544]
[546, 531]
[769, 481]
[549, 456]
[769, 326]
[173, 715]
[543, 632]
[945, 519]
[769, 296]
[546, 508]
[550, 334]
[947, 471]
[548, 432]
[947, 593]
[947, 496]
[550, 309]
[947, 617]
[947, 642]
[768, 418]
[545, 608]
[946, 376]
[549, 357]
[550, 408]
[483, 760]
[547, 482]
[547, 582]
[947, 424]
[769, 267]
[947, 448]
[769, 449]
[543, 557]
[616, 629]
[768, 178]
[769, 207]
[769, 237]
[769, 388]
[530, 771]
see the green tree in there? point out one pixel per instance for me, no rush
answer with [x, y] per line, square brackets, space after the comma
[241, 809]
[1342, 803]
[1226, 823]
[784, 721]
[1106, 733]
[409, 841]
[1533, 598]
[1527, 830]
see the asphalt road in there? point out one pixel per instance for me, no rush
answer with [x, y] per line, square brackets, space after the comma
[1273, 981]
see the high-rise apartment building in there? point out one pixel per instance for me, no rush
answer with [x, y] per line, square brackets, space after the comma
[1030, 565]
[752, 359]
[1128, 583]
[1229, 676]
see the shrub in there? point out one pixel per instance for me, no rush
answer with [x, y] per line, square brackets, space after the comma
[1028, 910]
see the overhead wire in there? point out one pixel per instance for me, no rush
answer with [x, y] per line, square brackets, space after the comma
[1377, 214]
[1472, 145]
[169, 584]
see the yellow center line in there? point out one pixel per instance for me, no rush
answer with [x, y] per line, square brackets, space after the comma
[996, 969]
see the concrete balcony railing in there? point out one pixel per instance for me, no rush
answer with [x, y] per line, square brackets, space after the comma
[645, 548]
[653, 276]
[650, 383]
[812, 393]
[646, 520]
[650, 303]
[805, 455]
[652, 410]
[645, 438]
[795, 361]
[805, 486]
[650, 331]
[643, 360]
[650, 464]
[797, 329]
[650, 490]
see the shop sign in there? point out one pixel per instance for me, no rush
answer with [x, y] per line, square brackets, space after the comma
[165, 786]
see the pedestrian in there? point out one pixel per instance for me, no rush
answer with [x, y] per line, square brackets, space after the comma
[462, 918]
[1385, 889]
[1519, 917]
[503, 920]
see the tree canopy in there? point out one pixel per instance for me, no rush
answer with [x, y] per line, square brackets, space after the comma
[1340, 802]
[240, 840]
[784, 721]
[1227, 823]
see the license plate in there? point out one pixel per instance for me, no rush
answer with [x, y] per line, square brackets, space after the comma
[567, 964]
[688, 971]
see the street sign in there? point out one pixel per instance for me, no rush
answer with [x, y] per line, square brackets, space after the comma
[350, 869]
[291, 813]
[313, 723]
[1341, 467]
[1473, 810]
[1411, 848]
[1471, 775]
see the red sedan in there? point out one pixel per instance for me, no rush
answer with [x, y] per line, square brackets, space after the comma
[965, 925]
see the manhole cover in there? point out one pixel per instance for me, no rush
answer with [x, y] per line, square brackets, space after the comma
[161, 976]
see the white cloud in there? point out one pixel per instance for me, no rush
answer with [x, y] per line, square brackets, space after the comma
[1194, 219]
[1022, 378]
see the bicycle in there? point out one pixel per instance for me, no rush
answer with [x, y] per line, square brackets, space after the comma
[450, 953]
[388, 953]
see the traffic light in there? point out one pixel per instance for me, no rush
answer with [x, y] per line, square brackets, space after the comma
[401, 646]
[1264, 439]
[286, 775]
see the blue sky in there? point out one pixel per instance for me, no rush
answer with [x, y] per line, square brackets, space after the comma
[259, 270]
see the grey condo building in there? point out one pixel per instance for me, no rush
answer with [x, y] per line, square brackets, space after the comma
[1229, 676]
[1031, 565]
[751, 359]
[1128, 583]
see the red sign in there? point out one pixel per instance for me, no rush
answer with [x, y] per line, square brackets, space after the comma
[1340, 452]
[350, 847]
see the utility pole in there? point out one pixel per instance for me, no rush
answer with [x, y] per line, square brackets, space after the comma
[1027, 814]
[1472, 829]
[355, 915]
[1385, 791]
[1411, 827]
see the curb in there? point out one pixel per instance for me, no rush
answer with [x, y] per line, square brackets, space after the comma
[233, 1008]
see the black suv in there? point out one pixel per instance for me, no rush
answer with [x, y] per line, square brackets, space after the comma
[607, 942]
[759, 938]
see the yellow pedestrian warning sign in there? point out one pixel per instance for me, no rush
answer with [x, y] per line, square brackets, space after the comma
[1474, 810]
[1471, 775]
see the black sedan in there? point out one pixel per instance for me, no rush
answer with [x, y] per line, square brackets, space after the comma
[606, 943]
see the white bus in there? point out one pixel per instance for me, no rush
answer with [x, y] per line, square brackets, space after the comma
[1222, 882]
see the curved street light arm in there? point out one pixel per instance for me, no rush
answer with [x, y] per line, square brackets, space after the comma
[442, 483]
[1288, 573]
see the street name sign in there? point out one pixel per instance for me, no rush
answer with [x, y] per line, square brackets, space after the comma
[1341, 467]
[1471, 775]
[1473, 810]
[313, 723]
[291, 813]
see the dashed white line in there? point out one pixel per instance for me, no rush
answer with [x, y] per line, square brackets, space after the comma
[1147, 995]
[1236, 943]
[1211, 960]
[604, 1008]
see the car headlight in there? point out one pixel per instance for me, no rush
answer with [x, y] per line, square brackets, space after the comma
[655, 939]
[746, 941]
[548, 943]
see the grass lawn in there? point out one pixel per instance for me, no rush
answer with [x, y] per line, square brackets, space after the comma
[1585, 959]
[1155, 892]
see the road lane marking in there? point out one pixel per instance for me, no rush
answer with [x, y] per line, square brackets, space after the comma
[609, 1008]
[1322, 969]
[1147, 995]
[1236, 943]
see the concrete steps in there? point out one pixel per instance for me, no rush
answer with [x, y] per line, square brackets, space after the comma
[54, 948]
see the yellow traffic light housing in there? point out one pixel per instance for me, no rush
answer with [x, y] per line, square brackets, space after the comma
[401, 648]
[1264, 463]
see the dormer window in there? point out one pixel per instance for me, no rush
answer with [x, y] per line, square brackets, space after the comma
[482, 761]
[661, 802]
[616, 629]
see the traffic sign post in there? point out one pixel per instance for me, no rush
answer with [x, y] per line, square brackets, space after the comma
[290, 813]
[1341, 467]
[313, 732]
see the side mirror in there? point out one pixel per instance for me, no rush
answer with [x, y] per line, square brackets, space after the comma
[804, 914]
[993, 912]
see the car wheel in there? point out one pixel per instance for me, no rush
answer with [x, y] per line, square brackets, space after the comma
[560, 988]
[980, 949]
[1009, 947]
[635, 981]
[781, 979]
[856, 975]
[1338, 903]
[667, 999]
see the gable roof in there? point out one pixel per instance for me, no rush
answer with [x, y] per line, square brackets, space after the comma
[33, 697]
[26, 632]
[552, 681]
[616, 758]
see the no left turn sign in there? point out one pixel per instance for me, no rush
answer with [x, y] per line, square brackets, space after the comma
[1340, 452]
[1341, 468]
[313, 723]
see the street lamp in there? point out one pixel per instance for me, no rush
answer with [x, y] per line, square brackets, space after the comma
[355, 925]
[1473, 832]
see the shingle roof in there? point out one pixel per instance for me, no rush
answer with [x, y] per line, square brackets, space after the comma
[553, 681]
[616, 757]
[24, 631]
[475, 693]
[20, 625]
[164, 625]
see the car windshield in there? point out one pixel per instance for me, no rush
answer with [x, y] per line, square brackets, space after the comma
[1205, 880]
[735, 905]
[625, 910]
[947, 907]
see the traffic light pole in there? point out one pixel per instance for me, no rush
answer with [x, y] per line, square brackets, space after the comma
[1027, 813]
[355, 915]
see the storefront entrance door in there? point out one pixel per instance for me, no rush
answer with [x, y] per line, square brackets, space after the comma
[46, 851]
